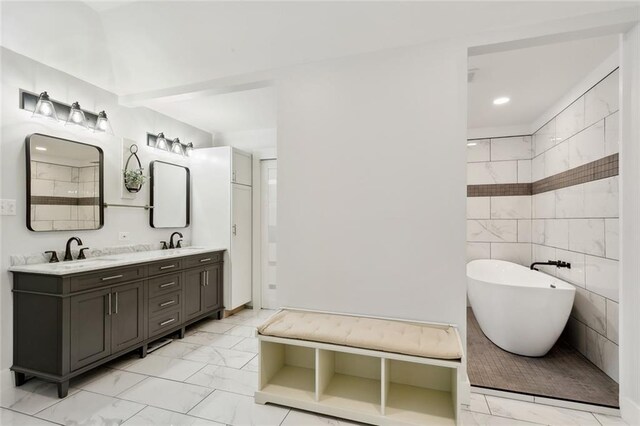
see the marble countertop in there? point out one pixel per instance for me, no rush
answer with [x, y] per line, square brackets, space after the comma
[110, 261]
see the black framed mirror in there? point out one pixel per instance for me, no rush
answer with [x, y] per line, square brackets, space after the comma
[170, 195]
[65, 184]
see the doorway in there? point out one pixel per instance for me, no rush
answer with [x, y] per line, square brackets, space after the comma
[268, 263]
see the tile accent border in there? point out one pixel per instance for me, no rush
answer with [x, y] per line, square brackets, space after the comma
[64, 201]
[600, 169]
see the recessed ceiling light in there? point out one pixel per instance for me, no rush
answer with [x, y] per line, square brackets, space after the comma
[41, 148]
[501, 101]
[472, 144]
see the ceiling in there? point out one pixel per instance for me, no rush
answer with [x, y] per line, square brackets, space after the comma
[140, 48]
[533, 78]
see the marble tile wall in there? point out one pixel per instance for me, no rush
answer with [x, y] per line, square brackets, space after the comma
[579, 223]
[54, 180]
[499, 227]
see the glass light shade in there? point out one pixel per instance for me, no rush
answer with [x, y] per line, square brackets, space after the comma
[76, 117]
[102, 124]
[176, 147]
[44, 108]
[189, 150]
[161, 142]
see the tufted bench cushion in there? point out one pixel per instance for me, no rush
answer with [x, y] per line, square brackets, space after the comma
[430, 341]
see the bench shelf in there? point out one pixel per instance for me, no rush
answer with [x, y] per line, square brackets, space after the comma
[370, 386]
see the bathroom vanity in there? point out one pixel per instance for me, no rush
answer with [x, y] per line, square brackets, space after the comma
[70, 317]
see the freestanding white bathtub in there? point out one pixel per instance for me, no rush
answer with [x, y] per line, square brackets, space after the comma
[520, 310]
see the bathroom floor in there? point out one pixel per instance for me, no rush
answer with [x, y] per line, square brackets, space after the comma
[563, 373]
[208, 379]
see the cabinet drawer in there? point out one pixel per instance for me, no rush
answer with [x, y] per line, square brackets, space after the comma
[164, 321]
[107, 277]
[165, 266]
[165, 284]
[165, 302]
[203, 259]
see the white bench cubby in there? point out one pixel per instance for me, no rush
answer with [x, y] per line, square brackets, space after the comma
[365, 385]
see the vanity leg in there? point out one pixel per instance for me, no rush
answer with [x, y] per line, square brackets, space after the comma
[181, 333]
[63, 389]
[20, 378]
[220, 315]
[143, 351]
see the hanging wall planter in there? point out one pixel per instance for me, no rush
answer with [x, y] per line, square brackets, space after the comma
[133, 177]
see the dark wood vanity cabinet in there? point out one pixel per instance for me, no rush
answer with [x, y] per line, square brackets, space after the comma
[65, 325]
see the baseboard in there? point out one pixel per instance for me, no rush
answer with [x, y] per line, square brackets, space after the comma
[630, 411]
[233, 311]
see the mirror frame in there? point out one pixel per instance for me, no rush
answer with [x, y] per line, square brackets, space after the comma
[28, 180]
[151, 195]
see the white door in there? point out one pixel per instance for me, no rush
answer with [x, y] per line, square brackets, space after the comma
[240, 255]
[269, 231]
[241, 168]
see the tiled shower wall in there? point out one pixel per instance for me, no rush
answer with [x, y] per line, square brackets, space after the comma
[555, 196]
[64, 197]
[579, 223]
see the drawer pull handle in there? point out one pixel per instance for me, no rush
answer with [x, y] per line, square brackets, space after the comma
[205, 260]
[113, 277]
[169, 321]
[167, 284]
[168, 267]
[170, 302]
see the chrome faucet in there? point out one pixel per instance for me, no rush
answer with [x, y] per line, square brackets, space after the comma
[171, 244]
[67, 251]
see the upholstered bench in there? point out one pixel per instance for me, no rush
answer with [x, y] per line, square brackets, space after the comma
[373, 370]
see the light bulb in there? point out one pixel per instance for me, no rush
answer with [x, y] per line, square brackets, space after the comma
[189, 149]
[176, 147]
[161, 142]
[102, 124]
[76, 116]
[44, 108]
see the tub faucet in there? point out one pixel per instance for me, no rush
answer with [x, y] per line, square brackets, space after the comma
[67, 251]
[556, 263]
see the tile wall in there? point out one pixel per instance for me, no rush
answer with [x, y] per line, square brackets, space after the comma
[64, 197]
[571, 212]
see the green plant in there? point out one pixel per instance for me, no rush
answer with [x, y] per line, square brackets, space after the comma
[134, 178]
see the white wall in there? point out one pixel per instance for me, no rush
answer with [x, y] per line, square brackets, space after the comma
[630, 229]
[372, 187]
[19, 72]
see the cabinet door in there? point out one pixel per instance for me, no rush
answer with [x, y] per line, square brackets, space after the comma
[212, 290]
[240, 253]
[127, 316]
[241, 168]
[193, 284]
[90, 328]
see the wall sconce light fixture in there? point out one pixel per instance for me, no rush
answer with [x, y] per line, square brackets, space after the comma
[174, 146]
[43, 106]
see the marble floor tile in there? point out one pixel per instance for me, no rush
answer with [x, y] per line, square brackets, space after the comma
[469, 418]
[165, 367]
[220, 356]
[152, 416]
[252, 322]
[606, 420]
[242, 331]
[167, 394]
[213, 326]
[225, 378]
[538, 413]
[13, 418]
[479, 404]
[176, 349]
[113, 382]
[86, 408]
[252, 365]
[211, 339]
[89, 376]
[123, 361]
[238, 410]
[302, 418]
[249, 344]
[33, 396]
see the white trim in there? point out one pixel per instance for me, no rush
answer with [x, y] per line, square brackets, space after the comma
[499, 132]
